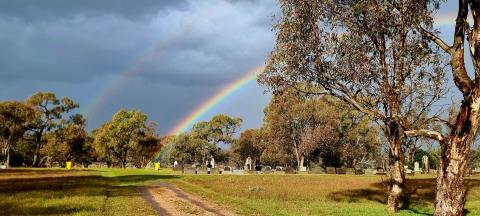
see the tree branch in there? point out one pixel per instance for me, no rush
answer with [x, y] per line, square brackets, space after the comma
[425, 133]
[435, 39]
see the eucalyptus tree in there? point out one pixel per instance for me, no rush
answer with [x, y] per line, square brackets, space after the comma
[120, 136]
[15, 119]
[366, 53]
[69, 142]
[462, 128]
[51, 111]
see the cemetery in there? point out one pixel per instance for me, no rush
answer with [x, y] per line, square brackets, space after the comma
[230, 107]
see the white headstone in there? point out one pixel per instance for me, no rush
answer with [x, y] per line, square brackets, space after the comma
[212, 162]
[416, 167]
[426, 164]
[248, 163]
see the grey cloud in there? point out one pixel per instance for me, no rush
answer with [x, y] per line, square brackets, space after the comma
[207, 45]
[35, 10]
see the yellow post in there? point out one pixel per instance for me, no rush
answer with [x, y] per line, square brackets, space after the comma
[69, 165]
[157, 166]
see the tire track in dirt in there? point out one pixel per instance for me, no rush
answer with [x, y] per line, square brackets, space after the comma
[170, 201]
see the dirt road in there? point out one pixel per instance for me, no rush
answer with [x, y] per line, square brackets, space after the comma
[169, 200]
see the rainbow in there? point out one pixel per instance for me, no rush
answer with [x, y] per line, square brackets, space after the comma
[214, 100]
[135, 66]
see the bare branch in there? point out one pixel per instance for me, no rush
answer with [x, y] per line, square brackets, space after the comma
[425, 133]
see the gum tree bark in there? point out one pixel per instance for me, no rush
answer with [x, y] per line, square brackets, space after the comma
[451, 191]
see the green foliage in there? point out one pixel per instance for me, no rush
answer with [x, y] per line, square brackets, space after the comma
[220, 128]
[203, 140]
[250, 144]
[15, 119]
[433, 158]
[70, 142]
[126, 134]
[318, 129]
[50, 116]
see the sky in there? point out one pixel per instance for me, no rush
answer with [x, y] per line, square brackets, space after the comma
[164, 57]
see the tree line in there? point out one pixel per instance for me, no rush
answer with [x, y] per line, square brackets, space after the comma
[44, 131]
[297, 131]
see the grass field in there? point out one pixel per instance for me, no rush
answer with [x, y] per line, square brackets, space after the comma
[75, 192]
[114, 192]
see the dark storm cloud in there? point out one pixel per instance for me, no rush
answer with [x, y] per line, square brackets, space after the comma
[174, 42]
[35, 10]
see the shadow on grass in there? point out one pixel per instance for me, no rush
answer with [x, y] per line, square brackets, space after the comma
[132, 179]
[12, 209]
[34, 192]
[418, 193]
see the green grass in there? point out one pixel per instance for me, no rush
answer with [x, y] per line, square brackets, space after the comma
[74, 192]
[317, 194]
[114, 192]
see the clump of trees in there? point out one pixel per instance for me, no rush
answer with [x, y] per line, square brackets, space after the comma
[42, 131]
[204, 140]
[300, 131]
[128, 137]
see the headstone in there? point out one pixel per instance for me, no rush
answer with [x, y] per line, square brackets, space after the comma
[316, 170]
[267, 169]
[416, 167]
[331, 170]
[175, 164]
[248, 164]
[289, 170]
[350, 171]
[341, 171]
[359, 172]
[3, 166]
[227, 169]
[302, 169]
[426, 164]
[212, 162]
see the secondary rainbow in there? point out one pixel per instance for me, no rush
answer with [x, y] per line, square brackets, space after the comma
[204, 107]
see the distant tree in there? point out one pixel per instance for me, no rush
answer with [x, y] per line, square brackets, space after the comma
[118, 137]
[220, 128]
[189, 149]
[15, 119]
[249, 144]
[358, 138]
[299, 125]
[68, 143]
[207, 135]
[146, 148]
[51, 112]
